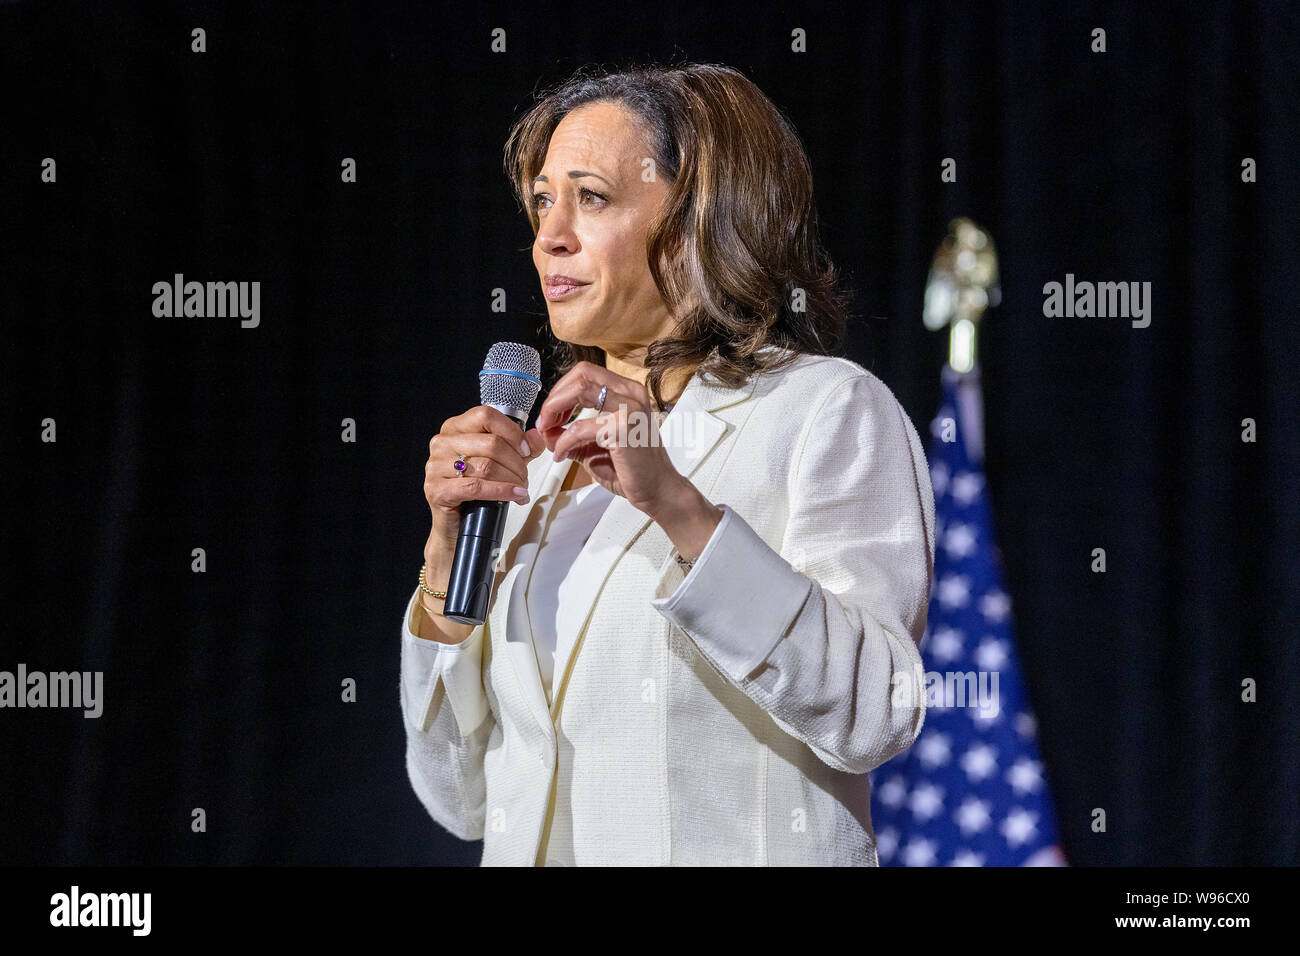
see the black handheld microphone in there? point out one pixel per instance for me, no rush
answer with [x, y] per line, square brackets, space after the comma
[509, 382]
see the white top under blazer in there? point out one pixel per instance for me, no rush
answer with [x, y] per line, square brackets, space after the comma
[725, 715]
[549, 615]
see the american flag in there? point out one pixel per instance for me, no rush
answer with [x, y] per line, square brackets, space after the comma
[971, 790]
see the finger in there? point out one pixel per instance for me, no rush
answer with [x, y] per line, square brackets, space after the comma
[615, 403]
[581, 387]
[574, 393]
[485, 418]
[484, 445]
[475, 468]
[458, 490]
[586, 437]
[536, 443]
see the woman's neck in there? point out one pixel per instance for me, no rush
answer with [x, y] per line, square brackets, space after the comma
[672, 385]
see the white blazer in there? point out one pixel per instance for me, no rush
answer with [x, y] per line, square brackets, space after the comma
[724, 716]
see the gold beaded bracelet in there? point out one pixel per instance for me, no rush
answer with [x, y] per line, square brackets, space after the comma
[425, 588]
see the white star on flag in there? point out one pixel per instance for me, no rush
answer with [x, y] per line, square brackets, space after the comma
[973, 815]
[1019, 826]
[886, 843]
[966, 487]
[954, 591]
[946, 645]
[979, 762]
[959, 541]
[892, 792]
[919, 852]
[939, 479]
[995, 606]
[926, 801]
[1025, 776]
[934, 750]
[990, 655]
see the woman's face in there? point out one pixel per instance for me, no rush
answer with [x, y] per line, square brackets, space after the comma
[594, 210]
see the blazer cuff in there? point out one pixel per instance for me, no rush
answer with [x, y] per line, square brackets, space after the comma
[459, 666]
[739, 598]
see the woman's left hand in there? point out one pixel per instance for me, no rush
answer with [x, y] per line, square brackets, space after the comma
[620, 447]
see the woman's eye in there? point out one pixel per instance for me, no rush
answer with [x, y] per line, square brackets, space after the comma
[540, 200]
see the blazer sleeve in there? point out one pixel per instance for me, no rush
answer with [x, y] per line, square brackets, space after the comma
[824, 635]
[448, 721]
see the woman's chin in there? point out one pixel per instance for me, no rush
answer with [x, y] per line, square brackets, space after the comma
[566, 329]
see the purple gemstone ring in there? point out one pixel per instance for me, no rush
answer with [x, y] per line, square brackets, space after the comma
[459, 465]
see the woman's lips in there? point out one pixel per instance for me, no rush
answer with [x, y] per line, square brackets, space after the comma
[562, 290]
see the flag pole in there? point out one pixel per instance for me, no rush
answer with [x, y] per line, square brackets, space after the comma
[961, 288]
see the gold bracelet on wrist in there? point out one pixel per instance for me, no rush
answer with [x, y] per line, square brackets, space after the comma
[425, 587]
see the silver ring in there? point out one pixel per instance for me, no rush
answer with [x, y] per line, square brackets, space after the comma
[460, 466]
[600, 402]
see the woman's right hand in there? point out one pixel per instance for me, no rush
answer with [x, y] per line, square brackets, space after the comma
[496, 469]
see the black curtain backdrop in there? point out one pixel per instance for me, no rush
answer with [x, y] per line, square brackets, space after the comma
[223, 689]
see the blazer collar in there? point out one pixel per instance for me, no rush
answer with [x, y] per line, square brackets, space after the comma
[689, 432]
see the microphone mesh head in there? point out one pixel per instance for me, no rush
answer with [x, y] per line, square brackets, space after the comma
[511, 376]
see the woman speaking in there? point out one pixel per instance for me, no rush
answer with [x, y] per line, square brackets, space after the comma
[705, 614]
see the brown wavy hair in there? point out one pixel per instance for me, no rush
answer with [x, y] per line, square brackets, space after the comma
[737, 235]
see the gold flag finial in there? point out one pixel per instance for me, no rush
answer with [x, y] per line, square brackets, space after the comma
[963, 283]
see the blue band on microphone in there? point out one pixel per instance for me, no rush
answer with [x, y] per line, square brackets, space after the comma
[506, 371]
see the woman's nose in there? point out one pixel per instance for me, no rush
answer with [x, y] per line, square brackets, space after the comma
[556, 233]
